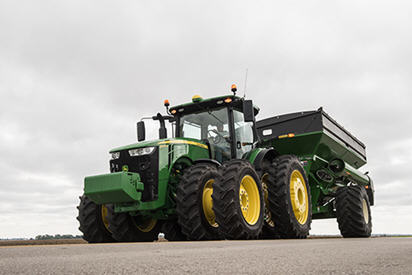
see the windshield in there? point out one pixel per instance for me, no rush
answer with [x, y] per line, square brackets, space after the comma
[209, 126]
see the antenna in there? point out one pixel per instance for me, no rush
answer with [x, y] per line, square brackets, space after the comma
[245, 87]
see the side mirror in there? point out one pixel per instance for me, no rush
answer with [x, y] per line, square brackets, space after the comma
[248, 111]
[141, 131]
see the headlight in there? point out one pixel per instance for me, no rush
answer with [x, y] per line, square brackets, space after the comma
[115, 155]
[141, 151]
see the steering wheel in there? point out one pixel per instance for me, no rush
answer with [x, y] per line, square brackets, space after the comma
[216, 139]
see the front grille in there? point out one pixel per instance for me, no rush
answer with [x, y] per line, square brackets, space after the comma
[148, 168]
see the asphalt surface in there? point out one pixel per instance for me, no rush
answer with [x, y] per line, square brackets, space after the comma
[312, 256]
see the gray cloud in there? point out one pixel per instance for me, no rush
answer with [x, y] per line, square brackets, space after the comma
[75, 76]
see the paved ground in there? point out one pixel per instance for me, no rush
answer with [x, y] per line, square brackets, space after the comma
[312, 256]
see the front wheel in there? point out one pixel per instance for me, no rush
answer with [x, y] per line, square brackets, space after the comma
[238, 201]
[194, 203]
[127, 228]
[93, 221]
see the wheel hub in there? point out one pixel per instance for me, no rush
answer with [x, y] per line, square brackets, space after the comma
[249, 199]
[299, 197]
[104, 213]
[365, 211]
[207, 203]
[267, 214]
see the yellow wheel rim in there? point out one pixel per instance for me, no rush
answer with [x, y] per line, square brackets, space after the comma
[365, 211]
[207, 203]
[146, 225]
[249, 199]
[299, 197]
[104, 214]
[268, 215]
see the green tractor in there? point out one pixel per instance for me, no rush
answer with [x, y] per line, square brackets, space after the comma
[224, 175]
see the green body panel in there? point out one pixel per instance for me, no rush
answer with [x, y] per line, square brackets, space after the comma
[113, 187]
[251, 156]
[317, 143]
[118, 188]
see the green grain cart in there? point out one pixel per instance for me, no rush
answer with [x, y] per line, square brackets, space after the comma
[224, 175]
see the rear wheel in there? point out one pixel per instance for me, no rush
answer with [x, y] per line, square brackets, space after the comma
[268, 179]
[127, 228]
[194, 202]
[93, 221]
[353, 212]
[289, 198]
[238, 201]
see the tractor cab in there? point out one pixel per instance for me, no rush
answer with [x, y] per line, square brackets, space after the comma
[225, 124]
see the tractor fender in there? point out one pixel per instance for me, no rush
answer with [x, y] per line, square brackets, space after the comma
[210, 161]
[264, 157]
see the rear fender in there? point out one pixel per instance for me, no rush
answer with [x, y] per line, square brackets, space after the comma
[261, 157]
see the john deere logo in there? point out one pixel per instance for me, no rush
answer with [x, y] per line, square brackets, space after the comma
[125, 168]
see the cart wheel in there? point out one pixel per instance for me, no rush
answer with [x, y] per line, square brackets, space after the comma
[353, 212]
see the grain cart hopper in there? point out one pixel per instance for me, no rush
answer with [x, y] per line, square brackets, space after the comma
[223, 174]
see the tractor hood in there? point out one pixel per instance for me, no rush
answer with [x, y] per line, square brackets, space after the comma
[158, 142]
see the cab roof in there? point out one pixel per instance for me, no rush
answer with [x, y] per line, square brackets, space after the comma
[199, 104]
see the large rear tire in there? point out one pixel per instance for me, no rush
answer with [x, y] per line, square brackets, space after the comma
[238, 201]
[194, 202]
[127, 228]
[93, 221]
[353, 212]
[267, 178]
[289, 198]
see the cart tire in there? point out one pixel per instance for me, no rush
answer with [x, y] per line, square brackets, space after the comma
[353, 212]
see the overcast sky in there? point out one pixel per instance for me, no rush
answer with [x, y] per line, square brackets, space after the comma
[75, 76]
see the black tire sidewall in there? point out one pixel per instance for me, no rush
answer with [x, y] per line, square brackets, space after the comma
[124, 229]
[306, 226]
[189, 206]
[212, 174]
[349, 211]
[364, 196]
[93, 228]
[250, 172]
